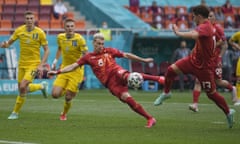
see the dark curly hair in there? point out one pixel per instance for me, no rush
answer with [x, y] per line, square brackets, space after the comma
[201, 10]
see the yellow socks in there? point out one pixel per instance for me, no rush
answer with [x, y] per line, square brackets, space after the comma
[34, 87]
[238, 89]
[19, 102]
[66, 107]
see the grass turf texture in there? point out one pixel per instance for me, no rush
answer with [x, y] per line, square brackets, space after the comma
[97, 117]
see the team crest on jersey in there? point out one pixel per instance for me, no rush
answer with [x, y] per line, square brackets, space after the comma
[35, 36]
[100, 62]
[74, 43]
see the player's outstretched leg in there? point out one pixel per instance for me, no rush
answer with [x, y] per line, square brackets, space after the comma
[44, 89]
[230, 118]
[151, 122]
[162, 97]
[140, 110]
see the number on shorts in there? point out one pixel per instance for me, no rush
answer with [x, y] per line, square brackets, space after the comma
[206, 85]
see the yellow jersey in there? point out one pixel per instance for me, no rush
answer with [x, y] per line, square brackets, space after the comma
[71, 48]
[236, 37]
[30, 44]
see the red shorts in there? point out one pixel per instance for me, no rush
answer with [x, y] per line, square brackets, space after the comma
[218, 69]
[117, 84]
[218, 73]
[205, 76]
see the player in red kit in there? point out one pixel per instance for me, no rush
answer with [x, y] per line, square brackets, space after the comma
[111, 75]
[220, 49]
[199, 63]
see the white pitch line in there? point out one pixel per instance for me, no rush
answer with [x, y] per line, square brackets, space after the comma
[13, 142]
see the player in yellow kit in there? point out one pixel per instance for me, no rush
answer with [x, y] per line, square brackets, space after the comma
[235, 43]
[71, 46]
[31, 38]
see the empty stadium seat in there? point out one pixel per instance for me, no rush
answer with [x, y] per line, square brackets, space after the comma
[80, 24]
[34, 2]
[33, 8]
[19, 16]
[8, 8]
[6, 24]
[44, 16]
[55, 24]
[70, 15]
[163, 67]
[45, 9]
[22, 2]
[44, 24]
[21, 8]
[7, 16]
[2, 2]
[137, 67]
[18, 23]
[10, 1]
[3, 32]
[151, 68]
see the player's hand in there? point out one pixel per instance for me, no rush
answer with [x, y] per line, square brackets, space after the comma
[40, 71]
[4, 44]
[53, 66]
[148, 60]
[52, 73]
[219, 61]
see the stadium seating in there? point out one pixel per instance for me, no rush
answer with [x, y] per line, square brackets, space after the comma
[163, 67]
[170, 13]
[80, 24]
[22, 2]
[5, 24]
[152, 68]
[13, 11]
[137, 67]
[10, 1]
[44, 24]
[21, 8]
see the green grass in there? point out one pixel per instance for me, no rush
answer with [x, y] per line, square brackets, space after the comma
[97, 117]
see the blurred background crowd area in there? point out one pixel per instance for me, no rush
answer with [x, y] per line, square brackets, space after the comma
[162, 17]
[159, 14]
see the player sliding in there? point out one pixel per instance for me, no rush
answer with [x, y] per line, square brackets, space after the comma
[111, 75]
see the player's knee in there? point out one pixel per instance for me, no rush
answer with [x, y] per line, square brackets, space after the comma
[56, 94]
[170, 72]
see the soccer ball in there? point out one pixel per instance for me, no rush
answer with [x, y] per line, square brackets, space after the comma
[135, 80]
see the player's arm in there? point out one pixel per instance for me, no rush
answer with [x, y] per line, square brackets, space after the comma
[65, 69]
[44, 60]
[6, 44]
[190, 34]
[137, 58]
[224, 47]
[234, 45]
[58, 54]
[45, 54]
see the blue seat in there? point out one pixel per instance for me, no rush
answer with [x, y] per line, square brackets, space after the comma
[150, 86]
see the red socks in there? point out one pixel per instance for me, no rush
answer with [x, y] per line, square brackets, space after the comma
[137, 108]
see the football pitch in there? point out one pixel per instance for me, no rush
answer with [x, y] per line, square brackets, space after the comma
[97, 117]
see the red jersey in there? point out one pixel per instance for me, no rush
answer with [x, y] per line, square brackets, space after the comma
[103, 64]
[219, 32]
[204, 49]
